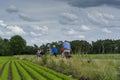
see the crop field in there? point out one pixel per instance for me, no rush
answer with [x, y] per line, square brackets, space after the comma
[82, 67]
[13, 69]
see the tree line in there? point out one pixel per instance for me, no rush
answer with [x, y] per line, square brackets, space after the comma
[16, 45]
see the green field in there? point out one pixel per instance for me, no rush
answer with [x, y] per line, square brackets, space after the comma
[82, 67]
[14, 69]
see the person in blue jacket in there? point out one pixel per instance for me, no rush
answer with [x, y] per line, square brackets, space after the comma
[67, 48]
[54, 50]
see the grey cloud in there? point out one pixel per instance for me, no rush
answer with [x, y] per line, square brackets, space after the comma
[12, 9]
[65, 22]
[68, 18]
[27, 18]
[69, 31]
[93, 3]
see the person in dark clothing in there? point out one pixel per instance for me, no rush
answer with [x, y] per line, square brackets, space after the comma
[42, 52]
[38, 54]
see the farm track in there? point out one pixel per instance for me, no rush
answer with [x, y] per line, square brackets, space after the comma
[24, 70]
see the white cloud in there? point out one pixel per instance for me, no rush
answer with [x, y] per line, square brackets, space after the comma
[81, 36]
[35, 34]
[108, 16]
[2, 23]
[13, 28]
[1, 32]
[71, 32]
[37, 40]
[16, 29]
[45, 41]
[98, 17]
[86, 28]
[106, 30]
[5, 33]
[41, 29]
[68, 18]
[10, 29]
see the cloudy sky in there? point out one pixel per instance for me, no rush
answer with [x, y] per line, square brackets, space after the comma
[43, 21]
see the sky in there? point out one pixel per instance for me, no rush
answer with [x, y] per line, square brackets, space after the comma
[44, 21]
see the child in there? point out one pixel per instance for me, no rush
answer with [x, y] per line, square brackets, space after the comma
[62, 52]
[54, 50]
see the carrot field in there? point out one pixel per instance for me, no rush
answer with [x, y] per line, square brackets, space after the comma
[13, 69]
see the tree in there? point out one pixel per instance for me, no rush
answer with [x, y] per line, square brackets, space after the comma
[98, 46]
[29, 50]
[4, 47]
[17, 44]
[1, 47]
[75, 45]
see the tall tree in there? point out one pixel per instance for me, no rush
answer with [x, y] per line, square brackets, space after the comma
[17, 44]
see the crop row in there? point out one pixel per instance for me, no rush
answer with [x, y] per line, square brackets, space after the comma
[45, 70]
[24, 70]
[4, 72]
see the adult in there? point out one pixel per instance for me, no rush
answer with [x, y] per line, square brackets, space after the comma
[67, 48]
[38, 54]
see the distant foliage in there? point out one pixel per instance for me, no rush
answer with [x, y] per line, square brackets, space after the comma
[17, 45]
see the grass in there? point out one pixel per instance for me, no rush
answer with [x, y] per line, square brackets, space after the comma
[33, 73]
[14, 69]
[24, 74]
[50, 74]
[15, 74]
[5, 72]
[90, 67]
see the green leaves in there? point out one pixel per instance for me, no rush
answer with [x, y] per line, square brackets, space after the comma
[17, 44]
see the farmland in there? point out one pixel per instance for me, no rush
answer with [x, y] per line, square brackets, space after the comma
[82, 67]
[14, 69]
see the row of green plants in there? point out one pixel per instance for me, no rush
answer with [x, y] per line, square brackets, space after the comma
[5, 73]
[32, 72]
[23, 73]
[48, 72]
[12, 69]
[1, 64]
[90, 67]
[15, 73]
